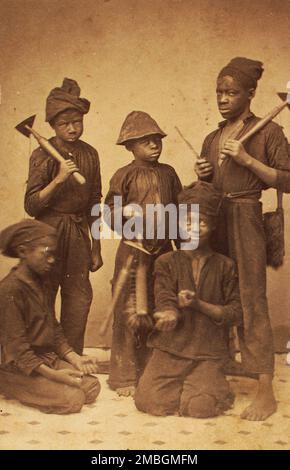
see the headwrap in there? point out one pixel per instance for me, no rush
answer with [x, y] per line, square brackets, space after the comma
[246, 71]
[137, 125]
[204, 194]
[23, 233]
[65, 97]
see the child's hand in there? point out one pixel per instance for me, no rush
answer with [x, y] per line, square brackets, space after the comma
[88, 365]
[187, 298]
[66, 168]
[203, 168]
[85, 364]
[137, 322]
[67, 376]
[165, 321]
[236, 150]
[96, 262]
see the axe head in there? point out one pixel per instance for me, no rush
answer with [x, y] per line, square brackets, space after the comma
[27, 122]
[285, 97]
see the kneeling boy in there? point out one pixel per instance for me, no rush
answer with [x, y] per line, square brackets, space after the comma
[38, 367]
[197, 298]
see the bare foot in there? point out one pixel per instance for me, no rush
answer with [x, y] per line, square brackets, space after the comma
[126, 391]
[264, 405]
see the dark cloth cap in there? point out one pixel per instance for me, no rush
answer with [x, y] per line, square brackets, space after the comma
[204, 194]
[23, 233]
[65, 97]
[137, 125]
[246, 71]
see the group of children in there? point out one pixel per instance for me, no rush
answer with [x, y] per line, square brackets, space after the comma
[171, 322]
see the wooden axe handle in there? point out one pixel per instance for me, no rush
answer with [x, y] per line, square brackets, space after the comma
[119, 286]
[46, 145]
[260, 124]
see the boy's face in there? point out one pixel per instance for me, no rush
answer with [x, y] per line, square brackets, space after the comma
[232, 98]
[147, 149]
[200, 232]
[68, 126]
[40, 257]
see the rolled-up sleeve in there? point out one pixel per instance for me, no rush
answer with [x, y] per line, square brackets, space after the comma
[283, 181]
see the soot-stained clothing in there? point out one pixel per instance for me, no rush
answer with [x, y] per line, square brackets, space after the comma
[68, 211]
[136, 184]
[196, 336]
[184, 374]
[31, 336]
[240, 232]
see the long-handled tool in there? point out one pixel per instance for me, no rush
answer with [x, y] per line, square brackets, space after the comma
[25, 128]
[121, 281]
[189, 145]
[268, 117]
[120, 284]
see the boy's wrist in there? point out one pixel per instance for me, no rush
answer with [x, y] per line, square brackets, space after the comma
[248, 161]
[58, 181]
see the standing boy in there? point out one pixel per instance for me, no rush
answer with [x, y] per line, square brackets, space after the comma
[53, 196]
[241, 173]
[144, 181]
[196, 297]
[38, 367]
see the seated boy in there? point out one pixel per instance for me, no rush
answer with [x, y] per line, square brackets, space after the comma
[38, 366]
[197, 298]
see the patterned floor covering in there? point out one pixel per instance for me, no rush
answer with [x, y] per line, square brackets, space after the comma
[114, 423]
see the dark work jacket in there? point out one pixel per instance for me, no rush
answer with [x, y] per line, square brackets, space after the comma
[269, 146]
[196, 336]
[70, 197]
[30, 335]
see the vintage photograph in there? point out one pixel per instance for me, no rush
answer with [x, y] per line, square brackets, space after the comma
[145, 225]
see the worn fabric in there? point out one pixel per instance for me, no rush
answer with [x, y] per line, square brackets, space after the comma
[196, 336]
[129, 352]
[175, 385]
[65, 97]
[269, 146]
[69, 211]
[240, 233]
[246, 71]
[46, 395]
[142, 184]
[139, 184]
[30, 333]
[137, 125]
[204, 194]
[23, 233]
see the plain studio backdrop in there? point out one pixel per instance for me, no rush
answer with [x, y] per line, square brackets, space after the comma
[159, 56]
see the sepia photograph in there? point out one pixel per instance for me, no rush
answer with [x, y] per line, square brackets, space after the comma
[145, 227]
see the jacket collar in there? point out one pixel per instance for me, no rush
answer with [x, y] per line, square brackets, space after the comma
[248, 118]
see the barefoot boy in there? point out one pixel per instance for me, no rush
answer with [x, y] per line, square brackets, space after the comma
[241, 173]
[144, 181]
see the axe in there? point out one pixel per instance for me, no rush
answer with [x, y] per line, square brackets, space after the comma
[25, 128]
[285, 97]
